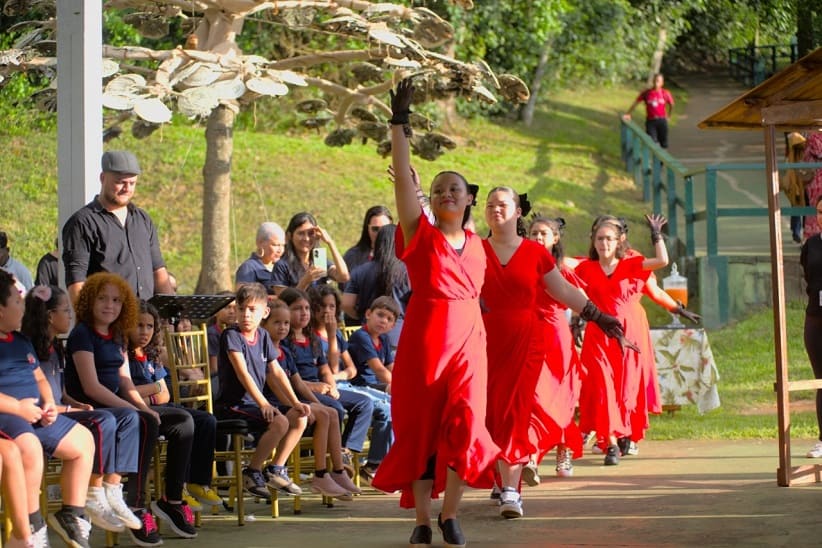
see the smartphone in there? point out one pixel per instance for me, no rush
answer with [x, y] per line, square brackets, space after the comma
[319, 258]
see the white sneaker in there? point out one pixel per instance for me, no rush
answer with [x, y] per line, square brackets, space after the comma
[510, 503]
[530, 474]
[100, 513]
[114, 495]
[633, 449]
[40, 538]
[815, 451]
[564, 467]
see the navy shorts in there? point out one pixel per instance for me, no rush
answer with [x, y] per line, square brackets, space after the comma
[12, 426]
[251, 414]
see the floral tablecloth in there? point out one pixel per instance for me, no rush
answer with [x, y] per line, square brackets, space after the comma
[687, 372]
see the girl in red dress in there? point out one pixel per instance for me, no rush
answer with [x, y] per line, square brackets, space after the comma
[560, 378]
[613, 396]
[439, 378]
[517, 270]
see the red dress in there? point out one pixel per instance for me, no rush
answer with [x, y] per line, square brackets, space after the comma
[559, 382]
[439, 379]
[612, 399]
[516, 348]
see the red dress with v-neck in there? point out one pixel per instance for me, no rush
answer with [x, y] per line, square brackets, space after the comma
[438, 390]
[612, 399]
[516, 348]
[559, 382]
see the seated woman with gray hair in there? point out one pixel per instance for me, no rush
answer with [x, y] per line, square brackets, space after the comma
[259, 266]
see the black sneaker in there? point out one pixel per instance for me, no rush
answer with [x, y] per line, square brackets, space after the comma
[72, 528]
[451, 532]
[421, 536]
[367, 473]
[612, 456]
[623, 444]
[147, 535]
[254, 483]
[178, 516]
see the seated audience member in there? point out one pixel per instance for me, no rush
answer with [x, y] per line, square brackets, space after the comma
[325, 302]
[29, 417]
[259, 266]
[190, 433]
[247, 363]
[116, 436]
[13, 266]
[384, 276]
[296, 268]
[13, 481]
[97, 373]
[306, 347]
[46, 273]
[371, 353]
[363, 251]
[326, 432]
[224, 318]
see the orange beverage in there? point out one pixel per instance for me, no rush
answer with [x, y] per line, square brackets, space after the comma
[679, 294]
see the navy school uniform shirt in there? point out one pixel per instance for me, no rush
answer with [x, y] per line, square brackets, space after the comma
[257, 353]
[362, 349]
[287, 364]
[145, 371]
[109, 356]
[307, 359]
[17, 364]
[284, 275]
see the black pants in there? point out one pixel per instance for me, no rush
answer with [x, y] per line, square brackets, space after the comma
[657, 128]
[135, 488]
[813, 345]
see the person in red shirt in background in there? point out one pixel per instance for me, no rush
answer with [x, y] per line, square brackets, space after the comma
[659, 103]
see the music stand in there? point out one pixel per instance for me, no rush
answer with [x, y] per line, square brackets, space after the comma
[173, 307]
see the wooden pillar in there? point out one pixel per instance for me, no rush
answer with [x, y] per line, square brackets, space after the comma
[79, 105]
[783, 474]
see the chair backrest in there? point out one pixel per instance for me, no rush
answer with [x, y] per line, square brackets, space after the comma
[189, 368]
[347, 331]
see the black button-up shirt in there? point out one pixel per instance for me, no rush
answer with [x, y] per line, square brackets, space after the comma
[95, 241]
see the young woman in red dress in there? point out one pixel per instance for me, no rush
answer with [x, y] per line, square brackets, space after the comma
[517, 270]
[560, 378]
[439, 377]
[613, 396]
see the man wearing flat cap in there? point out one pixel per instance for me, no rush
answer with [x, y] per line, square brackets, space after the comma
[110, 234]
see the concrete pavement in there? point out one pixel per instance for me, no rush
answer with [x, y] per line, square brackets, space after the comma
[674, 493]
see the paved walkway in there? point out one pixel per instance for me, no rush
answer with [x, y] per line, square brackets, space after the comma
[675, 493]
[696, 148]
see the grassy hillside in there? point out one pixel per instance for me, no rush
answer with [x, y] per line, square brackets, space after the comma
[567, 161]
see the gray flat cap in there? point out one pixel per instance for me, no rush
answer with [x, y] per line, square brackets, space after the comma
[120, 161]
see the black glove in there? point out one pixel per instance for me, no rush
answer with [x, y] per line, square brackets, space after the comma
[401, 102]
[610, 325]
[682, 311]
[577, 327]
[656, 222]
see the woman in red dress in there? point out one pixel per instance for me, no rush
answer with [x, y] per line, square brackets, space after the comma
[439, 388]
[613, 396]
[517, 270]
[560, 377]
[638, 328]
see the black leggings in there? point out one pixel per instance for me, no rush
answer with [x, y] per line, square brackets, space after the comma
[813, 345]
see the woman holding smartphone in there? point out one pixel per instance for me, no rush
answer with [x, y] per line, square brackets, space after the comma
[305, 261]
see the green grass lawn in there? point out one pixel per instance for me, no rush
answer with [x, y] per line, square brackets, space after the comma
[568, 162]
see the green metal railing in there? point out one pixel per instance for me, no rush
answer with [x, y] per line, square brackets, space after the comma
[751, 65]
[660, 176]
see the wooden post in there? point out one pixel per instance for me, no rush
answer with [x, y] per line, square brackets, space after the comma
[79, 105]
[783, 473]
